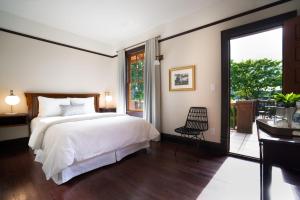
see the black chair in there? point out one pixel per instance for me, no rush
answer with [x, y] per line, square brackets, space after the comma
[196, 123]
[266, 108]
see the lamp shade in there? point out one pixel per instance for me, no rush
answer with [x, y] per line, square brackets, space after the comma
[12, 99]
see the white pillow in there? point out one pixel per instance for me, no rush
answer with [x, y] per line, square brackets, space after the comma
[89, 105]
[49, 107]
[68, 110]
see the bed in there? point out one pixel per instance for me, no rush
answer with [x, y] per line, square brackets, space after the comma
[68, 146]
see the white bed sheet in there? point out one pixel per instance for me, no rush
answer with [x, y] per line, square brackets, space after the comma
[59, 142]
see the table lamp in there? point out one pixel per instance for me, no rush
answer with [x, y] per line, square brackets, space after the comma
[12, 100]
[108, 98]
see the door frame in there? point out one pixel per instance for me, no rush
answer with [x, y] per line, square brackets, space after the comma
[226, 36]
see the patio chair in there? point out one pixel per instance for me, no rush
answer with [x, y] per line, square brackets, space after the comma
[265, 108]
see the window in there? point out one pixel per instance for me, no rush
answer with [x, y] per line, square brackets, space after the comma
[135, 81]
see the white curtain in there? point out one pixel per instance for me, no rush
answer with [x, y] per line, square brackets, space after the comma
[152, 84]
[121, 103]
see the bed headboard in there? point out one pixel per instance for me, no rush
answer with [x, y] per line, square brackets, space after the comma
[33, 103]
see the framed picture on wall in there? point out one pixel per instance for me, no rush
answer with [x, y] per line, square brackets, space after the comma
[182, 78]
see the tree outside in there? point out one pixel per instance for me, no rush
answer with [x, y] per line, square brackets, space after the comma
[137, 83]
[136, 86]
[255, 79]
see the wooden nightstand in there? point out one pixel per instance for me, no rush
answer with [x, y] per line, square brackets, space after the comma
[18, 119]
[107, 110]
[13, 126]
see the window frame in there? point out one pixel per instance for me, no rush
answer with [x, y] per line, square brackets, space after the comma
[130, 53]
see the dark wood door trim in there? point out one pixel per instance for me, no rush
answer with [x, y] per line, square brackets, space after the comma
[226, 35]
[291, 55]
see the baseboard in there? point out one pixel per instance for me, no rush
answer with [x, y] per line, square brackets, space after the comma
[212, 147]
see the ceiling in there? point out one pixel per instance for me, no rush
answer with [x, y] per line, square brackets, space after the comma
[107, 21]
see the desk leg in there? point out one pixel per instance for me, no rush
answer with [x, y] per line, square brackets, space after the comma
[261, 178]
[266, 180]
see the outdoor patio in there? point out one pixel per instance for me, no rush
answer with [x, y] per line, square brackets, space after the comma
[243, 115]
[244, 143]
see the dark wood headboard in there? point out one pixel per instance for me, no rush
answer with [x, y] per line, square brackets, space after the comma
[33, 103]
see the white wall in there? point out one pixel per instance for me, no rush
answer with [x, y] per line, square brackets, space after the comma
[26, 26]
[35, 66]
[220, 9]
[202, 48]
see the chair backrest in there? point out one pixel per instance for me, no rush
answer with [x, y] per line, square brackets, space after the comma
[197, 119]
[263, 103]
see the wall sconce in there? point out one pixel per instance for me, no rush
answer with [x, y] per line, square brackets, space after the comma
[158, 59]
[108, 98]
[12, 100]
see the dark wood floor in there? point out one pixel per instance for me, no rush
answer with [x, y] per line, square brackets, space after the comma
[157, 174]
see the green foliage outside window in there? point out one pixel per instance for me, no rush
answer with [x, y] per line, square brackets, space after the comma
[254, 79]
[137, 81]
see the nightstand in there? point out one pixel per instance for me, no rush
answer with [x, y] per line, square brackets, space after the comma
[107, 110]
[14, 126]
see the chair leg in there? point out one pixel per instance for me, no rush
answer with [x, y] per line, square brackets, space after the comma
[202, 135]
[197, 141]
[175, 151]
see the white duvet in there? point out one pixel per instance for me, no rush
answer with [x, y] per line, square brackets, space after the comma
[61, 141]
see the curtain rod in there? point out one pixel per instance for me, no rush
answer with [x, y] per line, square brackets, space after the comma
[134, 45]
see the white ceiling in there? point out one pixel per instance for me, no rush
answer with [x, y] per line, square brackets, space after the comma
[107, 21]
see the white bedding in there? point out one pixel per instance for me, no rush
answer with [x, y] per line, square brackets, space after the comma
[78, 168]
[61, 141]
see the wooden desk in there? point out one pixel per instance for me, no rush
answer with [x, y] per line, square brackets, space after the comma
[278, 146]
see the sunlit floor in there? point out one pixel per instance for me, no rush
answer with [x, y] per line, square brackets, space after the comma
[236, 180]
[243, 184]
[244, 143]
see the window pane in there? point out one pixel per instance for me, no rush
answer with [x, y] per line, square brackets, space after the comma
[133, 74]
[136, 96]
[140, 56]
[140, 71]
[137, 89]
[133, 58]
[136, 82]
